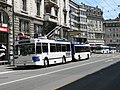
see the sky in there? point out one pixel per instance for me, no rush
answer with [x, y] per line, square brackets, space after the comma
[111, 8]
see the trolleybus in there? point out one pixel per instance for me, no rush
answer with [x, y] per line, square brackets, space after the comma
[45, 52]
[42, 52]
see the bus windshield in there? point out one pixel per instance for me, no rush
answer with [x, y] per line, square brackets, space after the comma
[25, 49]
[99, 48]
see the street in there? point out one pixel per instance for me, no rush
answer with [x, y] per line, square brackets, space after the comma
[100, 72]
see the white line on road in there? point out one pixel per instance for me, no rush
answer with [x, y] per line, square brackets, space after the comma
[39, 75]
[109, 60]
[6, 72]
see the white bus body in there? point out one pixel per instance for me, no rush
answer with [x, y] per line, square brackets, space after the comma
[81, 51]
[42, 52]
[102, 49]
[112, 49]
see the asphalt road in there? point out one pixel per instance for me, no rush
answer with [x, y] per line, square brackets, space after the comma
[100, 72]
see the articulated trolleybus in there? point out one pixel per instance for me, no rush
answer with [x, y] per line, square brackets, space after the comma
[42, 52]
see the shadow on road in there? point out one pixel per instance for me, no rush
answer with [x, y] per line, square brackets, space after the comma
[105, 79]
[28, 67]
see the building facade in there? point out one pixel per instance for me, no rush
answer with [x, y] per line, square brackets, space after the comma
[78, 22]
[95, 32]
[112, 32]
[56, 18]
[86, 23]
[5, 31]
[28, 18]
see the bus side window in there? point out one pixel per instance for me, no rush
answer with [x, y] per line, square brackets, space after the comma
[63, 47]
[52, 47]
[68, 47]
[38, 48]
[58, 46]
[45, 47]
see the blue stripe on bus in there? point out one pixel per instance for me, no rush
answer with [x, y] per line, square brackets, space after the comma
[35, 58]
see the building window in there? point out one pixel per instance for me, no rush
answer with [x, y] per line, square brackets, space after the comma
[37, 29]
[24, 26]
[64, 18]
[117, 40]
[113, 35]
[110, 40]
[24, 5]
[38, 3]
[3, 18]
[117, 35]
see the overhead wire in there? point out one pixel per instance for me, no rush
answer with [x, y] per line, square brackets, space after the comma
[106, 10]
[101, 7]
[114, 2]
[110, 6]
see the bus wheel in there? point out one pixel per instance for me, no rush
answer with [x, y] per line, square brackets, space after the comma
[46, 62]
[63, 59]
[79, 57]
[87, 56]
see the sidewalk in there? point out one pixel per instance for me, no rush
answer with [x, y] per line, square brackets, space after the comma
[5, 68]
[3, 62]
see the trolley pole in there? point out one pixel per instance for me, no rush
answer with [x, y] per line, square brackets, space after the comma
[13, 32]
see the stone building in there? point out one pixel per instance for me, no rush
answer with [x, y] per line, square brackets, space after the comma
[56, 18]
[95, 32]
[78, 22]
[40, 17]
[28, 18]
[112, 32]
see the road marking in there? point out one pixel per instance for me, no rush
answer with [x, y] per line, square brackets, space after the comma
[39, 75]
[6, 72]
[109, 60]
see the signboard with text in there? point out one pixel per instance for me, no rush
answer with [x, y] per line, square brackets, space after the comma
[4, 29]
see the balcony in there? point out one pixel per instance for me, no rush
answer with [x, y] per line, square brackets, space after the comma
[51, 3]
[3, 0]
[51, 18]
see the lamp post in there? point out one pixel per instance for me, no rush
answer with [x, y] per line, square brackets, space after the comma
[13, 32]
[70, 20]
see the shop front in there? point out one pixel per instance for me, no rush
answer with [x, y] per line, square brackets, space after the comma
[5, 17]
[4, 43]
